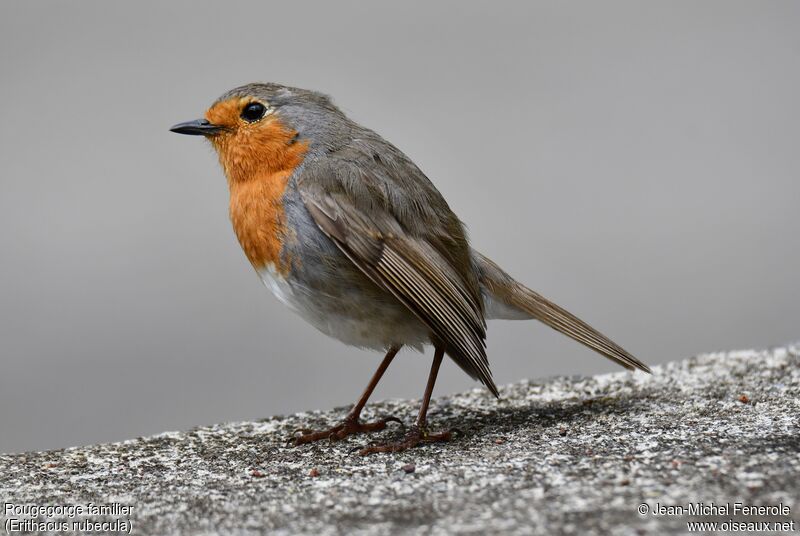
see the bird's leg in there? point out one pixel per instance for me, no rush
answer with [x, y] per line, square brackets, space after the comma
[352, 424]
[419, 432]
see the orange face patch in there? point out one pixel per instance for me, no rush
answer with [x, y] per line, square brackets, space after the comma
[258, 158]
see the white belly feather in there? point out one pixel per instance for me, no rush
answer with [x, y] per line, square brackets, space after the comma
[374, 328]
[277, 283]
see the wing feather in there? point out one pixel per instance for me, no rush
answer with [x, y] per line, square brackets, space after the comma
[411, 270]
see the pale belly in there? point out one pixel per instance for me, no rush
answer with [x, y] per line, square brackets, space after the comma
[347, 315]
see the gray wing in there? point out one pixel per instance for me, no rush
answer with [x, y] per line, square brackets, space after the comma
[406, 264]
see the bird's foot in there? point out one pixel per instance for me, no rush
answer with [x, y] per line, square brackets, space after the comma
[349, 426]
[414, 437]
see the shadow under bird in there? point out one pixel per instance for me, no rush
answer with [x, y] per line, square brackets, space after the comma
[347, 231]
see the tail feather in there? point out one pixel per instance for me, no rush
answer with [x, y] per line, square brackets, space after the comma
[512, 294]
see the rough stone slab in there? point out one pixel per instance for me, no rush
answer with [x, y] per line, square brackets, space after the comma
[562, 455]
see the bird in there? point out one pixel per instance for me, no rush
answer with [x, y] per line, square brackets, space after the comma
[349, 233]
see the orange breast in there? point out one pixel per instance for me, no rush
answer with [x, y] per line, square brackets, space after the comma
[258, 163]
[258, 218]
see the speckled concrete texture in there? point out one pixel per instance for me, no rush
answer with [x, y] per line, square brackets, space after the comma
[562, 455]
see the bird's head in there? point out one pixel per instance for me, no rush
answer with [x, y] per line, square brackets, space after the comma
[265, 128]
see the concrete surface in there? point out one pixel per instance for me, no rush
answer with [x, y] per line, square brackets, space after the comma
[562, 455]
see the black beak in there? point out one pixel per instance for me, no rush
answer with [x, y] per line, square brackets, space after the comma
[198, 127]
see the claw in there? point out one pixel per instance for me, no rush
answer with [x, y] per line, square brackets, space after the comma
[294, 437]
[349, 426]
[414, 437]
[392, 418]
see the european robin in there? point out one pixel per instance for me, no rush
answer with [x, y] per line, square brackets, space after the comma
[346, 230]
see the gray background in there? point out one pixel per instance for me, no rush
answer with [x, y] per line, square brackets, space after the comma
[637, 162]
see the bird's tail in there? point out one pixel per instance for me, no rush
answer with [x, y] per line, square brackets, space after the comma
[509, 299]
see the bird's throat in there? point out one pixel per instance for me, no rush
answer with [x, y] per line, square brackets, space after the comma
[258, 168]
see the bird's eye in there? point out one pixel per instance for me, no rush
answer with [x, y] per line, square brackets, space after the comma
[253, 112]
